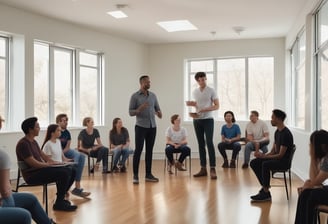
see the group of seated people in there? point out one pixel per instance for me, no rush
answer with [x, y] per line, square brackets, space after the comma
[256, 138]
[56, 162]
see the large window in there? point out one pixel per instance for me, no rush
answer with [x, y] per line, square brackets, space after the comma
[242, 84]
[67, 81]
[322, 65]
[4, 76]
[298, 81]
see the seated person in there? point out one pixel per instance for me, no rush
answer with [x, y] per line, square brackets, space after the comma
[17, 207]
[176, 142]
[86, 144]
[230, 135]
[257, 137]
[39, 167]
[277, 158]
[78, 157]
[313, 192]
[119, 144]
[52, 147]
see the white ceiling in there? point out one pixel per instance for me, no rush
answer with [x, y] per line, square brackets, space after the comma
[260, 18]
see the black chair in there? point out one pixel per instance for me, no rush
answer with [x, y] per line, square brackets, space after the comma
[19, 184]
[176, 158]
[91, 160]
[321, 209]
[273, 172]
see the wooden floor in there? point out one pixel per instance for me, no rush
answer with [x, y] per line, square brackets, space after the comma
[177, 199]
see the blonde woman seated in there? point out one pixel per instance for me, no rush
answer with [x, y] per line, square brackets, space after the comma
[119, 144]
[176, 142]
[86, 144]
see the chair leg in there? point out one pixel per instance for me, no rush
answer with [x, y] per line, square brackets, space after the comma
[176, 158]
[290, 181]
[189, 165]
[318, 215]
[18, 179]
[89, 165]
[286, 186]
[164, 163]
[45, 196]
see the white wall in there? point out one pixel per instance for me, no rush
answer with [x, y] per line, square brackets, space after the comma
[302, 160]
[125, 60]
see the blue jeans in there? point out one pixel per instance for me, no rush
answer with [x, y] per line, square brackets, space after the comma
[249, 147]
[120, 153]
[26, 205]
[204, 129]
[79, 158]
[184, 150]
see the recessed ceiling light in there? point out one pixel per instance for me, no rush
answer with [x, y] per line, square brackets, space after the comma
[177, 25]
[118, 14]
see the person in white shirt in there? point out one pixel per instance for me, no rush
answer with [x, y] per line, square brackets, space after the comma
[205, 101]
[176, 142]
[257, 138]
[52, 147]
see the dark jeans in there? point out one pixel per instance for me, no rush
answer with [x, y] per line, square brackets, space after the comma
[143, 135]
[102, 155]
[184, 150]
[204, 132]
[63, 176]
[307, 202]
[262, 168]
[235, 147]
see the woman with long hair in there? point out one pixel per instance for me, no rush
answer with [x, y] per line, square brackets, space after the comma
[313, 192]
[119, 142]
[52, 147]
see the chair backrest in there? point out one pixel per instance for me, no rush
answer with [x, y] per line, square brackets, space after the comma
[291, 156]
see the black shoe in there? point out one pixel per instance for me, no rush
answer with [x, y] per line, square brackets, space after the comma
[115, 169]
[92, 170]
[225, 164]
[245, 166]
[232, 164]
[261, 196]
[260, 192]
[123, 169]
[106, 171]
[64, 206]
[151, 178]
[135, 180]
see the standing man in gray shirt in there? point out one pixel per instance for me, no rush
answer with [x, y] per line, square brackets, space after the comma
[144, 105]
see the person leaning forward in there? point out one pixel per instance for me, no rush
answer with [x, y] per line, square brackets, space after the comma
[40, 168]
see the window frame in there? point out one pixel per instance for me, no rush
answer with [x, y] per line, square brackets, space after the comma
[7, 57]
[75, 74]
[189, 78]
